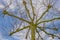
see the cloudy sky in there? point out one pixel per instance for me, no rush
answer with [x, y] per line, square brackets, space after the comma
[5, 26]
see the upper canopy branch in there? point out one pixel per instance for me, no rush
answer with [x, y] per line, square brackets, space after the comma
[48, 7]
[27, 10]
[32, 9]
[49, 28]
[48, 20]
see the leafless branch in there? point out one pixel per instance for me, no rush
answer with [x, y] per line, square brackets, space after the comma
[17, 30]
[49, 20]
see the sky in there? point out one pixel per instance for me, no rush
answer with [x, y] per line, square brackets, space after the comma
[5, 26]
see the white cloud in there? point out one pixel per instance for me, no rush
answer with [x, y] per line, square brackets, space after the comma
[12, 6]
[1, 6]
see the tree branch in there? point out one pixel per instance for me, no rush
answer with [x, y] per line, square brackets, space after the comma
[28, 13]
[27, 33]
[49, 33]
[32, 9]
[6, 13]
[17, 30]
[49, 28]
[39, 34]
[48, 7]
[48, 20]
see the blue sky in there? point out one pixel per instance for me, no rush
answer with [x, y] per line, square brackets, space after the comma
[5, 21]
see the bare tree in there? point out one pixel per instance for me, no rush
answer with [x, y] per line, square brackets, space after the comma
[32, 20]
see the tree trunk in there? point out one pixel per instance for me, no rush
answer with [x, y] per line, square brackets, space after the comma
[32, 33]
